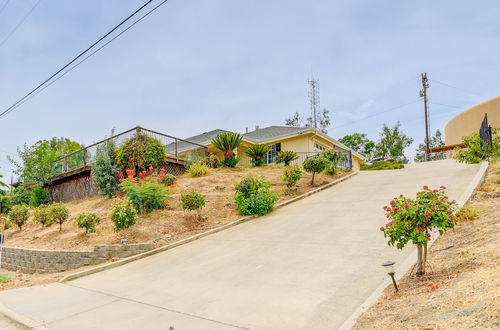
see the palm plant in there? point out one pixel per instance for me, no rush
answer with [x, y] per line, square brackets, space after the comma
[227, 142]
[286, 157]
[257, 153]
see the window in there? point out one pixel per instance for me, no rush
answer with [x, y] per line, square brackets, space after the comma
[271, 155]
[319, 147]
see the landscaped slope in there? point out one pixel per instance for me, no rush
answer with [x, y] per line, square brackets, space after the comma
[163, 226]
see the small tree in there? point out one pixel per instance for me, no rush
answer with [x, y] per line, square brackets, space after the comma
[227, 142]
[124, 215]
[392, 142]
[257, 152]
[104, 170]
[286, 156]
[88, 221]
[291, 175]
[193, 201]
[43, 215]
[435, 141]
[140, 152]
[59, 213]
[475, 151]
[360, 143]
[19, 214]
[414, 219]
[315, 165]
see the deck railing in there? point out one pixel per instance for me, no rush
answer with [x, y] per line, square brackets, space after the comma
[176, 149]
[344, 164]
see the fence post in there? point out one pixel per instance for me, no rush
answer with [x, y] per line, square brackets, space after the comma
[65, 164]
[177, 150]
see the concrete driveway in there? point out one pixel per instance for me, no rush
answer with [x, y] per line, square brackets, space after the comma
[305, 266]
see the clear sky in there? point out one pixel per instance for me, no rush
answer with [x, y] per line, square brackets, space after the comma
[193, 66]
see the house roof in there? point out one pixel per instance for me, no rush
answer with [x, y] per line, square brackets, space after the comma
[272, 132]
[205, 137]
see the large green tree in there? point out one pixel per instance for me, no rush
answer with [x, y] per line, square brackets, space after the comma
[359, 143]
[392, 142]
[435, 141]
[36, 163]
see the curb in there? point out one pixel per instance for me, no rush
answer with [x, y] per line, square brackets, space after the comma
[197, 236]
[410, 260]
[20, 320]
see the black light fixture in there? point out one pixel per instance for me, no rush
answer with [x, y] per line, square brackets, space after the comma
[389, 267]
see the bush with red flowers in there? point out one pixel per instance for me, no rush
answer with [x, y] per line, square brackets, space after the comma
[414, 219]
[146, 190]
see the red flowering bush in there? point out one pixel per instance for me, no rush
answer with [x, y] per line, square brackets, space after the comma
[414, 219]
[147, 190]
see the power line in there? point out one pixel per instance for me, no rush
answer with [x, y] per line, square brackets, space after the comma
[21, 22]
[454, 87]
[378, 113]
[30, 94]
[446, 105]
[83, 60]
[4, 6]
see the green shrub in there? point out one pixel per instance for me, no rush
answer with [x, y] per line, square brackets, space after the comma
[230, 162]
[193, 201]
[59, 213]
[470, 212]
[390, 164]
[21, 195]
[315, 165]
[291, 175]
[104, 170]
[124, 215]
[140, 152]
[286, 157]
[8, 224]
[88, 221]
[257, 152]
[146, 193]
[197, 170]
[211, 161]
[39, 196]
[193, 157]
[475, 152]
[227, 142]
[43, 215]
[4, 278]
[253, 196]
[19, 214]
[169, 179]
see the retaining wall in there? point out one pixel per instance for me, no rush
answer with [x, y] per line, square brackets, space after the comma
[51, 261]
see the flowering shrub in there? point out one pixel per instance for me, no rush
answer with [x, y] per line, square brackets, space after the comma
[123, 214]
[59, 213]
[147, 192]
[193, 201]
[291, 175]
[19, 214]
[253, 196]
[140, 152]
[414, 219]
[169, 179]
[197, 170]
[88, 221]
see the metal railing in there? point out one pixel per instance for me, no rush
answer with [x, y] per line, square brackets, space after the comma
[176, 149]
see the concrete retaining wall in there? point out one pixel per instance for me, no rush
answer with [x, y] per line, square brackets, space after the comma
[50, 261]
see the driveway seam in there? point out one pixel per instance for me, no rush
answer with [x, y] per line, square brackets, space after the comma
[154, 306]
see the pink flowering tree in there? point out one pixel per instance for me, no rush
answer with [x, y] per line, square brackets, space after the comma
[414, 220]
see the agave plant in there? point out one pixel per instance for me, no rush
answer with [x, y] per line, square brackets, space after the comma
[227, 142]
[286, 157]
[257, 153]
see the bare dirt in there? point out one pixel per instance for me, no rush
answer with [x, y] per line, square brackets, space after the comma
[461, 291]
[162, 226]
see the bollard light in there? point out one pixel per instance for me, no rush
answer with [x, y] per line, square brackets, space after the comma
[389, 267]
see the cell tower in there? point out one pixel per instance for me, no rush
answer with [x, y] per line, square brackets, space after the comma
[314, 101]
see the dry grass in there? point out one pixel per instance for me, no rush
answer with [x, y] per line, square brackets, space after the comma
[462, 290]
[163, 226]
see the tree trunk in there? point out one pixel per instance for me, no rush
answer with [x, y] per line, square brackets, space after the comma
[312, 180]
[420, 268]
[424, 262]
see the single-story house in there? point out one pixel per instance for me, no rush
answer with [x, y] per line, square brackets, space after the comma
[305, 141]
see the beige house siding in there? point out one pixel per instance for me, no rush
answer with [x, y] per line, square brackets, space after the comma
[469, 121]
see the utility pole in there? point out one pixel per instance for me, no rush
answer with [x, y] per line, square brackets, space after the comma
[423, 93]
[314, 101]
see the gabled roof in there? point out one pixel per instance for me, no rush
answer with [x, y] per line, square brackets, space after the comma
[270, 132]
[205, 137]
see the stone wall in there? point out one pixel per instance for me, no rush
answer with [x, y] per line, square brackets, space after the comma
[50, 261]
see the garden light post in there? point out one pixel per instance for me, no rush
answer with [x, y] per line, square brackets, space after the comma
[389, 267]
